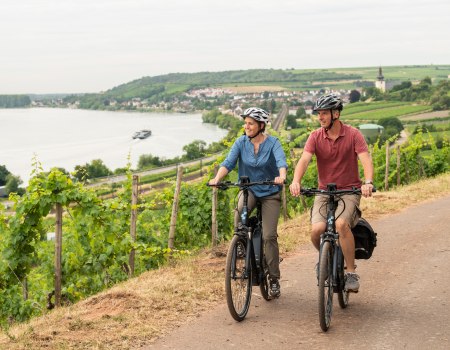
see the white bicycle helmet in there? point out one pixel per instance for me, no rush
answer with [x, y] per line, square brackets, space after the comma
[256, 113]
[329, 101]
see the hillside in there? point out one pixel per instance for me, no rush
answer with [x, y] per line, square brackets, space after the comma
[167, 87]
[138, 311]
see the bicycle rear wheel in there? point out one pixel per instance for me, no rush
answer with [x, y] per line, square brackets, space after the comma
[238, 285]
[325, 285]
[264, 285]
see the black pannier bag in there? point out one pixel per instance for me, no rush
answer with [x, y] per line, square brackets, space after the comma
[365, 239]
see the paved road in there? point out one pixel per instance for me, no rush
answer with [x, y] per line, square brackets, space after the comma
[403, 303]
[121, 178]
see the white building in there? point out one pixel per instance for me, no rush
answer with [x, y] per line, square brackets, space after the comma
[380, 83]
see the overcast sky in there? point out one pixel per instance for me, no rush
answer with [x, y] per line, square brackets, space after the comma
[63, 46]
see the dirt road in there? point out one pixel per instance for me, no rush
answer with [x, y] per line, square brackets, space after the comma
[403, 303]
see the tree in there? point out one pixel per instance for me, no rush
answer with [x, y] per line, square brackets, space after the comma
[391, 125]
[97, 169]
[91, 171]
[12, 184]
[3, 174]
[291, 121]
[374, 93]
[404, 85]
[355, 96]
[300, 112]
[149, 161]
[195, 149]
[273, 105]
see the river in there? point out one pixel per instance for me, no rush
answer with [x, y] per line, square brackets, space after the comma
[69, 137]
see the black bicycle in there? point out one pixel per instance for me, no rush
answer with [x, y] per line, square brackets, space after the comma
[331, 268]
[245, 265]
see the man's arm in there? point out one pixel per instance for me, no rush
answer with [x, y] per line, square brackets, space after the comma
[366, 161]
[300, 170]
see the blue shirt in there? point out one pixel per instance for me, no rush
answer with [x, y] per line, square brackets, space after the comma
[260, 167]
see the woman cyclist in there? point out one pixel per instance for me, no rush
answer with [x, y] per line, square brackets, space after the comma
[337, 147]
[261, 158]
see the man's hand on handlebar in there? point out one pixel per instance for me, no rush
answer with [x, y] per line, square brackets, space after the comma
[295, 189]
[366, 190]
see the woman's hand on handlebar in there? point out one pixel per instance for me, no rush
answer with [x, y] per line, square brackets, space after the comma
[279, 180]
[213, 182]
[295, 189]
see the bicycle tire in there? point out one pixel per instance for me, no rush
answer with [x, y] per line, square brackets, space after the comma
[325, 285]
[343, 295]
[238, 286]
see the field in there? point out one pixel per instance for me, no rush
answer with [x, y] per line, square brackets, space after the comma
[383, 110]
[400, 73]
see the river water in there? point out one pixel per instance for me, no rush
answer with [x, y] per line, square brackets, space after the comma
[68, 137]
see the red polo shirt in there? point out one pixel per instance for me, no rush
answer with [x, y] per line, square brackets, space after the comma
[337, 161]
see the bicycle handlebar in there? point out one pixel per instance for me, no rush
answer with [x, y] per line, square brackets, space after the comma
[313, 191]
[226, 184]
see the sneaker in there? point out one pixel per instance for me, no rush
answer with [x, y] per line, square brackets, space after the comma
[351, 282]
[274, 286]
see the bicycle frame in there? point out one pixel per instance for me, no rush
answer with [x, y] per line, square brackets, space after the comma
[332, 236]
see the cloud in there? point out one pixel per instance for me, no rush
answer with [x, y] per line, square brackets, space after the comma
[85, 46]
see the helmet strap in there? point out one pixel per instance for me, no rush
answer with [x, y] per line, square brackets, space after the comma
[259, 132]
[331, 122]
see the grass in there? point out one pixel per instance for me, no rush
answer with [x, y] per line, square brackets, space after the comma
[396, 111]
[402, 73]
[136, 312]
[358, 107]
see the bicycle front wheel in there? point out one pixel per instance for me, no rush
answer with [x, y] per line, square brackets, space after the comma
[238, 284]
[325, 285]
[343, 295]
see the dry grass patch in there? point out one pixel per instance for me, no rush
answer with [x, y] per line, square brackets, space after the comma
[144, 308]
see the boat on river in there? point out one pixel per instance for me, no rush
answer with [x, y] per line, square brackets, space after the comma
[142, 134]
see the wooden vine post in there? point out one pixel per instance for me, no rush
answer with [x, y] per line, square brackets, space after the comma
[173, 219]
[214, 237]
[283, 192]
[386, 175]
[406, 168]
[134, 201]
[215, 206]
[58, 254]
[398, 166]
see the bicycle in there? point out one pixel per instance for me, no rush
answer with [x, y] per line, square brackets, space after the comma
[245, 265]
[331, 259]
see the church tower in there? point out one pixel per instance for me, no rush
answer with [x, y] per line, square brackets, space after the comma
[380, 83]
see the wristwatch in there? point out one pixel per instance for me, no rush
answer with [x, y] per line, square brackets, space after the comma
[368, 182]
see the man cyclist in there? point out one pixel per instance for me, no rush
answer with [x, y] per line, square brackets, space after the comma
[337, 147]
[261, 158]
